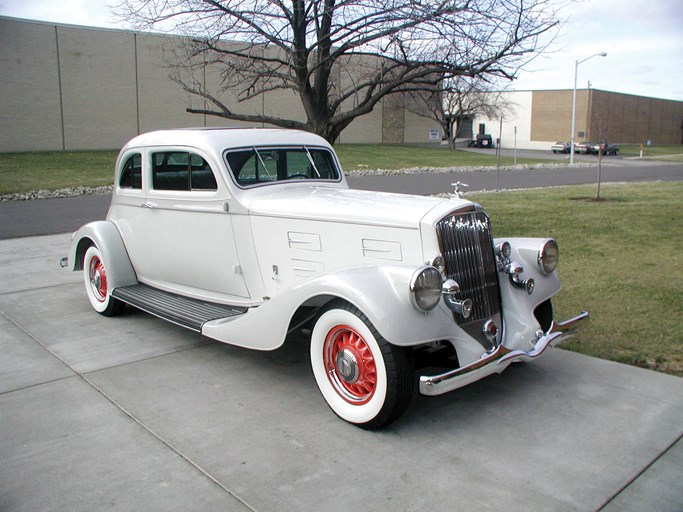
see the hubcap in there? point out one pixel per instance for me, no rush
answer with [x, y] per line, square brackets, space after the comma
[347, 366]
[350, 365]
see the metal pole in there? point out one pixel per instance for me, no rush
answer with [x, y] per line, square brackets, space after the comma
[500, 136]
[571, 143]
[576, 72]
[515, 145]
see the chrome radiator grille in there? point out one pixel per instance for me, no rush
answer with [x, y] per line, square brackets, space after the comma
[467, 246]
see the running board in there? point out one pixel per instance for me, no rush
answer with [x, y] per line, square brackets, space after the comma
[183, 311]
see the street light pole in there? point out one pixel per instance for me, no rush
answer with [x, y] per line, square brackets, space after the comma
[576, 73]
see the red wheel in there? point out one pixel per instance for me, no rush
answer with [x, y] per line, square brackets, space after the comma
[98, 279]
[364, 379]
[350, 365]
[96, 286]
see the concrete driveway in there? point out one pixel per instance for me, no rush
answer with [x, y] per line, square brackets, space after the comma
[133, 413]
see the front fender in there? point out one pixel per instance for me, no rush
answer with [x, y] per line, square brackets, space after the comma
[518, 305]
[380, 292]
[107, 238]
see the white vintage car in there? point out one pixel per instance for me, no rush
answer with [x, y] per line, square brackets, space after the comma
[245, 235]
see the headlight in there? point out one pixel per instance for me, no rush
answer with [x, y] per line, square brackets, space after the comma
[548, 255]
[504, 250]
[439, 263]
[425, 288]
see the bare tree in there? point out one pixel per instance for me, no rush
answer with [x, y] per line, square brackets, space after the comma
[599, 129]
[341, 57]
[456, 99]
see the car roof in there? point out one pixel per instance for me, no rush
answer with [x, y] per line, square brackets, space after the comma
[219, 139]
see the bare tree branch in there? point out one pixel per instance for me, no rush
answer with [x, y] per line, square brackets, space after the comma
[341, 57]
[454, 100]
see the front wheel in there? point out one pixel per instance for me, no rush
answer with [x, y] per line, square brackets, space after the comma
[96, 286]
[364, 379]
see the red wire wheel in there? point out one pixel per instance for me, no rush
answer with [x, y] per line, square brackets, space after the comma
[98, 278]
[97, 284]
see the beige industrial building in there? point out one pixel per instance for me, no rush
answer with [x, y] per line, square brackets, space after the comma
[67, 87]
[537, 119]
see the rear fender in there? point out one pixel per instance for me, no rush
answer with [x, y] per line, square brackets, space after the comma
[107, 238]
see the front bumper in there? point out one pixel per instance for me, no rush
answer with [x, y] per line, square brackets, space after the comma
[499, 359]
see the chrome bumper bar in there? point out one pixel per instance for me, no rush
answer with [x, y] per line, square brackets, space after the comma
[499, 359]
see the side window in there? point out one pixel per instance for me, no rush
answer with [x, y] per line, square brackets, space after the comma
[201, 175]
[179, 170]
[131, 172]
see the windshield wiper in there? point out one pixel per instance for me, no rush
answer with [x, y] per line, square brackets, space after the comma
[262, 162]
[310, 159]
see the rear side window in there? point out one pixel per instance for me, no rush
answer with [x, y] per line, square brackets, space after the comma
[180, 170]
[131, 173]
[258, 166]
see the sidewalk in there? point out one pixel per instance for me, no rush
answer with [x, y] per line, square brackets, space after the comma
[133, 413]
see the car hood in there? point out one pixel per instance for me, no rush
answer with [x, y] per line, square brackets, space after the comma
[349, 206]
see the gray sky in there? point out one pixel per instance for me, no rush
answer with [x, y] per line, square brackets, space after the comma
[643, 40]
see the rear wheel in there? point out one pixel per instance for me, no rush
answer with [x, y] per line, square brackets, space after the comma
[96, 286]
[364, 379]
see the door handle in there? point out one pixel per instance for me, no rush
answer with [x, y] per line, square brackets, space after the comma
[148, 205]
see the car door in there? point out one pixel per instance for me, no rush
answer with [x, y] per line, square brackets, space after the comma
[181, 237]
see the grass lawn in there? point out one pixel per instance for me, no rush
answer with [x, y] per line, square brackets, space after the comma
[668, 153]
[620, 259]
[23, 172]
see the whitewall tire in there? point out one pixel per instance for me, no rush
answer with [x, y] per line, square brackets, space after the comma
[363, 378]
[96, 286]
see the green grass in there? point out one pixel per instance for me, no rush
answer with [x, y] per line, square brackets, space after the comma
[669, 153]
[23, 172]
[620, 259]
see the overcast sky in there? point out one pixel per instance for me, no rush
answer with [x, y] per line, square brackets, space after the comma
[643, 40]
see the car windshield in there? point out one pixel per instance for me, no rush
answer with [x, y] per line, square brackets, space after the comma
[259, 165]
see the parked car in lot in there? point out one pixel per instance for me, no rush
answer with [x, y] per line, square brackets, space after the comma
[583, 147]
[245, 235]
[561, 147]
[604, 147]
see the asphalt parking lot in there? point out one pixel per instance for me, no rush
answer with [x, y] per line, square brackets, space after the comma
[133, 413]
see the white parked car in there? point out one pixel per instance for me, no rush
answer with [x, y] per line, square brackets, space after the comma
[245, 235]
[561, 147]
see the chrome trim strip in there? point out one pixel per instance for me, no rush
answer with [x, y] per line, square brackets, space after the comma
[498, 360]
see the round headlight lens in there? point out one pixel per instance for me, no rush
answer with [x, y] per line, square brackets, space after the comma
[548, 256]
[425, 288]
